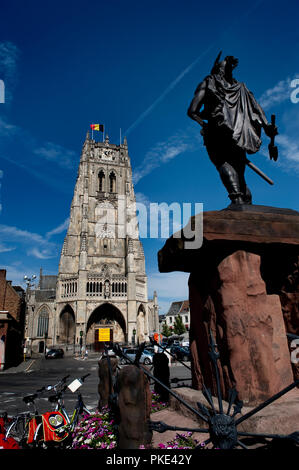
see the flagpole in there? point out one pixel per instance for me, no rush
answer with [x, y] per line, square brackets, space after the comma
[120, 136]
[91, 131]
[103, 131]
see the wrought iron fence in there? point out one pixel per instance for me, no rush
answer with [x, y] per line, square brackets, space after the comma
[221, 426]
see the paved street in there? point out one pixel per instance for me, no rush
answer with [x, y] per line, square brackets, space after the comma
[40, 372]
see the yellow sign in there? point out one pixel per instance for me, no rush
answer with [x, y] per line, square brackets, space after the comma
[104, 334]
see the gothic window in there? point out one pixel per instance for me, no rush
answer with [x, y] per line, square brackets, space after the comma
[43, 322]
[101, 180]
[112, 182]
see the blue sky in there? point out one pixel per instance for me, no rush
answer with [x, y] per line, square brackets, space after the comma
[132, 65]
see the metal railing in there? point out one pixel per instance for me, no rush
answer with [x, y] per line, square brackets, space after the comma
[221, 426]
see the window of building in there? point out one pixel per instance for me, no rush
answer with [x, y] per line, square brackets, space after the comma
[101, 180]
[186, 318]
[170, 319]
[112, 182]
[43, 323]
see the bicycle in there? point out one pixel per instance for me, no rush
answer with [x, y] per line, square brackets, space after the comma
[56, 427]
[24, 426]
[80, 409]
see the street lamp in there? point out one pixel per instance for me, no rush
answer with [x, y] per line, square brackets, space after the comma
[29, 283]
[29, 280]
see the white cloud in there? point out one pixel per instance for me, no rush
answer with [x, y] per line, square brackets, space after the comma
[163, 152]
[288, 150]
[4, 249]
[41, 254]
[277, 94]
[56, 153]
[61, 228]
[49, 151]
[7, 129]
[32, 243]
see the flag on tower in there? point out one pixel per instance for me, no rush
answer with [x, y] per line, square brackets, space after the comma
[97, 127]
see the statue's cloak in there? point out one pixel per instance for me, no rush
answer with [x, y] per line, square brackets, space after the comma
[232, 107]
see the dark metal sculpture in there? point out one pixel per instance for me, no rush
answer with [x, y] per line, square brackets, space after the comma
[231, 122]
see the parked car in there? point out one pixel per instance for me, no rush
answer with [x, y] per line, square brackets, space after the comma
[54, 353]
[146, 357]
[181, 353]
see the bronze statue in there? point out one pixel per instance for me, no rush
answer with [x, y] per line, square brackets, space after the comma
[231, 122]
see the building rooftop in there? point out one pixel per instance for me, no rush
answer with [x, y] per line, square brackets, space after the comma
[174, 308]
[178, 307]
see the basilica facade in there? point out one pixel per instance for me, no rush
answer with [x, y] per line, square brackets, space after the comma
[100, 292]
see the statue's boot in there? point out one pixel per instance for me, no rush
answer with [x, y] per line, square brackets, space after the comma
[247, 196]
[230, 179]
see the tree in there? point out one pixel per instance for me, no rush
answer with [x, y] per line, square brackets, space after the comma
[179, 327]
[166, 330]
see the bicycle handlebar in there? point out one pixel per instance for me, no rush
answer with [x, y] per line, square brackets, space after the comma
[84, 377]
[30, 398]
[48, 388]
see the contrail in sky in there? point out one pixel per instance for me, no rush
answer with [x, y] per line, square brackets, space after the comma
[185, 71]
[168, 90]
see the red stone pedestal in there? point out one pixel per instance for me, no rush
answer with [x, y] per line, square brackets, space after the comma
[244, 286]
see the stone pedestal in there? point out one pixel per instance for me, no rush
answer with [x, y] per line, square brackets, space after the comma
[244, 286]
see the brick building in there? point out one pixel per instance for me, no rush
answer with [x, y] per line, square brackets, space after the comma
[12, 317]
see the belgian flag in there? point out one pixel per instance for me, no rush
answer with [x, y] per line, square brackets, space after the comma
[97, 127]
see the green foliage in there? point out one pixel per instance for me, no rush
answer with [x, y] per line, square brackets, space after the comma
[179, 327]
[166, 331]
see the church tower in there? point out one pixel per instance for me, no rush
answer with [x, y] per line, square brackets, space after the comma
[102, 285]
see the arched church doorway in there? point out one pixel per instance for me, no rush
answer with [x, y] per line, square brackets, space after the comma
[67, 326]
[105, 324]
